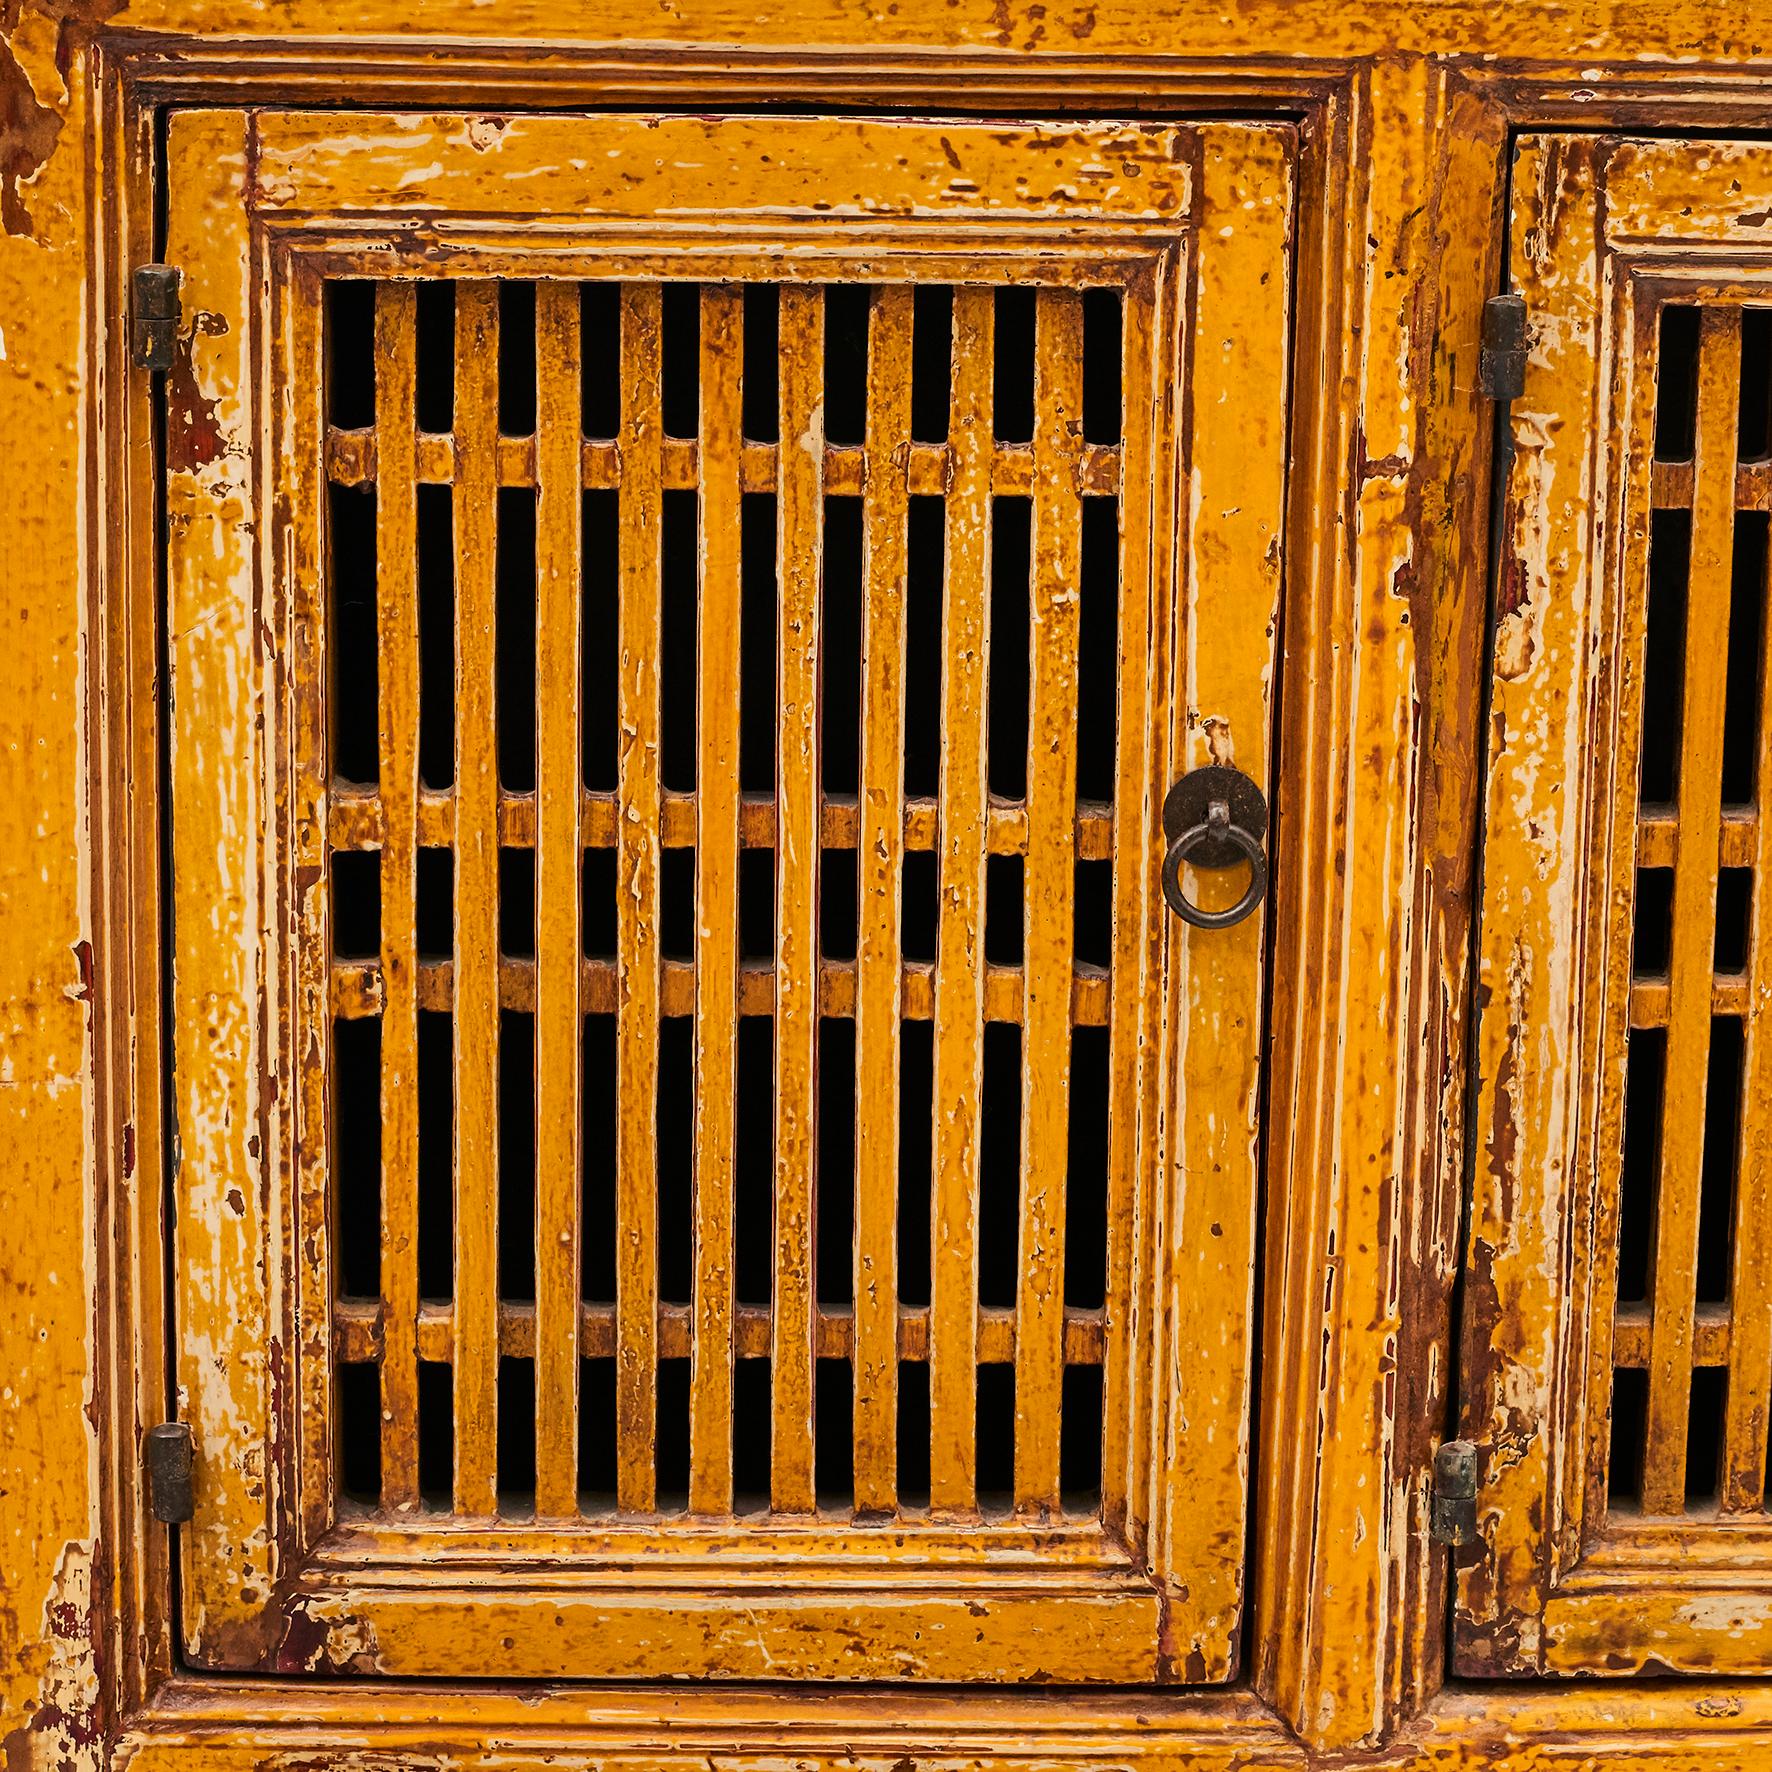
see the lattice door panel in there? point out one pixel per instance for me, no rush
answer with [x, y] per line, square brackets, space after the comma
[726, 1064]
[709, 699]
[1632, 651]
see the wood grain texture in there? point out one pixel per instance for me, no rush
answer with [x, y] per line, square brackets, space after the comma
[879, 952]
[716, 903]
[1048, 891]
[224, 1207]
[1103, 1610]
[960, 961]
[63, 1104]
[475, 1020]
[637, 903]
[1694, 924]
[1605, 1549]
[559, 1035]
[396, 635]
[799, 563]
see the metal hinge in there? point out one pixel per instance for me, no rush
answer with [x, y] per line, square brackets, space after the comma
[169, 1453]
[1501, 363]
[156, 316]
[1452, 1516]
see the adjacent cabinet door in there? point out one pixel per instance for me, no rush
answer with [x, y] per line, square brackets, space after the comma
[1618, 1351]
[701, 1148]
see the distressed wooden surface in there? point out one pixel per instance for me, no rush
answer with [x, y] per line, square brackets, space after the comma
[1586, 1568]
[1149, 1581]
[66, 1120]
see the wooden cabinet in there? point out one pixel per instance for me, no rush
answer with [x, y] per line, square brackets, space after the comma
[629, 632]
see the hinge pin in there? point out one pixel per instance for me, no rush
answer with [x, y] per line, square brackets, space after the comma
[1501, 363]
[170, 1453]
[156, 316]
[1452, 1514]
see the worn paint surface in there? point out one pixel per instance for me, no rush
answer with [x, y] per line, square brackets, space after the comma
[1570, 1580]
[1333, 1640]
[1196, 228]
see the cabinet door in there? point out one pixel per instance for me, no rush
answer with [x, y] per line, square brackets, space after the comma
[702, 1150]
[1618, 1348]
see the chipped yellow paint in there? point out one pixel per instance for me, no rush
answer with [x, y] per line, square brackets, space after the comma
[1352, 1170]
[1568, 1579]
[1147, 1586]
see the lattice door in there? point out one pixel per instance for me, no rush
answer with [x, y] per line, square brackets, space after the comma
[1627, 936]
[721, 1018]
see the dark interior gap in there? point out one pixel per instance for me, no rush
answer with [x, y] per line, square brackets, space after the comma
[680, 596]
[516, 1158]
[676, 1160]
[846, 362]
[1741, 694]
[356, 904]
[999, 1167]
[514, 641]
[1098, 649]
[932, 366]
[436, 1155]
[916, 1123]
[599, 331]
[599, 1123]
[926, 542]
[757, 674]
[676, 904]
[353, 704]
[1721, 1164]
[1664, 660]
[1103, 351]
[840, 646]
[1013, 359]
[434, 325]
[762, 362]
[1645, 1080]
[350, 352]
[1630, 1415]
[1086, 1173]
[754, 1171]
[680, 360]
[834, 1204]
[436, 636]
[516, 358]
[356, 1156]
[600, 639]
[1007, 746]
[1079, 1440]
[751, 1406]
[1676, 383]
[516, 1435]
[436, 1436]
[833, 1436]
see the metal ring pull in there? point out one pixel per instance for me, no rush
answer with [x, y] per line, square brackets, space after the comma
[1214, 818]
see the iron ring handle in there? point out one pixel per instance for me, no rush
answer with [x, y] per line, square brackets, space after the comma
[1217, 826]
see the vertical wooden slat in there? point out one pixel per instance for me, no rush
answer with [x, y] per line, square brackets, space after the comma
[799, 550]
[637, 860]
[1049, 888]
[557, 870]
[1131, 976]
[959, 969]
[879, 869]
[396, 601]
[1694, 911]
[1743, 1486]
[476, 900]
[224, 1185]
[716, 903]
